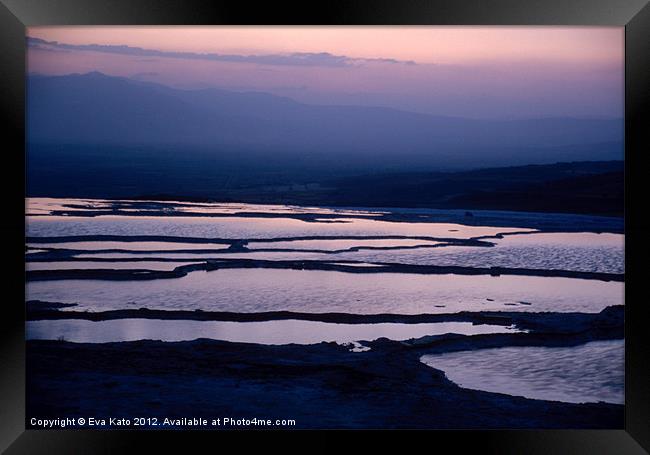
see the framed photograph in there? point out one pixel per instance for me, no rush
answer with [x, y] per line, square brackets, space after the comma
[360, 216]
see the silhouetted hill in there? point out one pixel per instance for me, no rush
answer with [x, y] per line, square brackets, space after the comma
[578, 187]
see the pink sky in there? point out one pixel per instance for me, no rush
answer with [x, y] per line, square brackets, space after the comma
[465, 71]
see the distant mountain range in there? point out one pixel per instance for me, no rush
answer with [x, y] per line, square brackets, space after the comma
[98, 110]
[93, 135]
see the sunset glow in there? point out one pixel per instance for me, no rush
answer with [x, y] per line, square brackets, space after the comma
[458, 71]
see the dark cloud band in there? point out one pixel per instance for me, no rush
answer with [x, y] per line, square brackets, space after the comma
[321, 59]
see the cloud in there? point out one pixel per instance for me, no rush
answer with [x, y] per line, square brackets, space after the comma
[321, 59]
[40, 47]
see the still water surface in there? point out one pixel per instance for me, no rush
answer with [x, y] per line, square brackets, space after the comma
[266, 332]
[588, 373]
[255, 290]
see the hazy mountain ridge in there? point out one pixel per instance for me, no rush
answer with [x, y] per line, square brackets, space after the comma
[95, 109]
[94, 135]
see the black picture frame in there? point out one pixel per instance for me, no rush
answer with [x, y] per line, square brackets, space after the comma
[15, 15]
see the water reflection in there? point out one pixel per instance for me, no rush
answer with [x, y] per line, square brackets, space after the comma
[45, 206]
[339, 244]
[588, 373]
[588, 252]
[87, 265]
[132, 246]
[267, 332]
[253, 290]
[243, 227]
